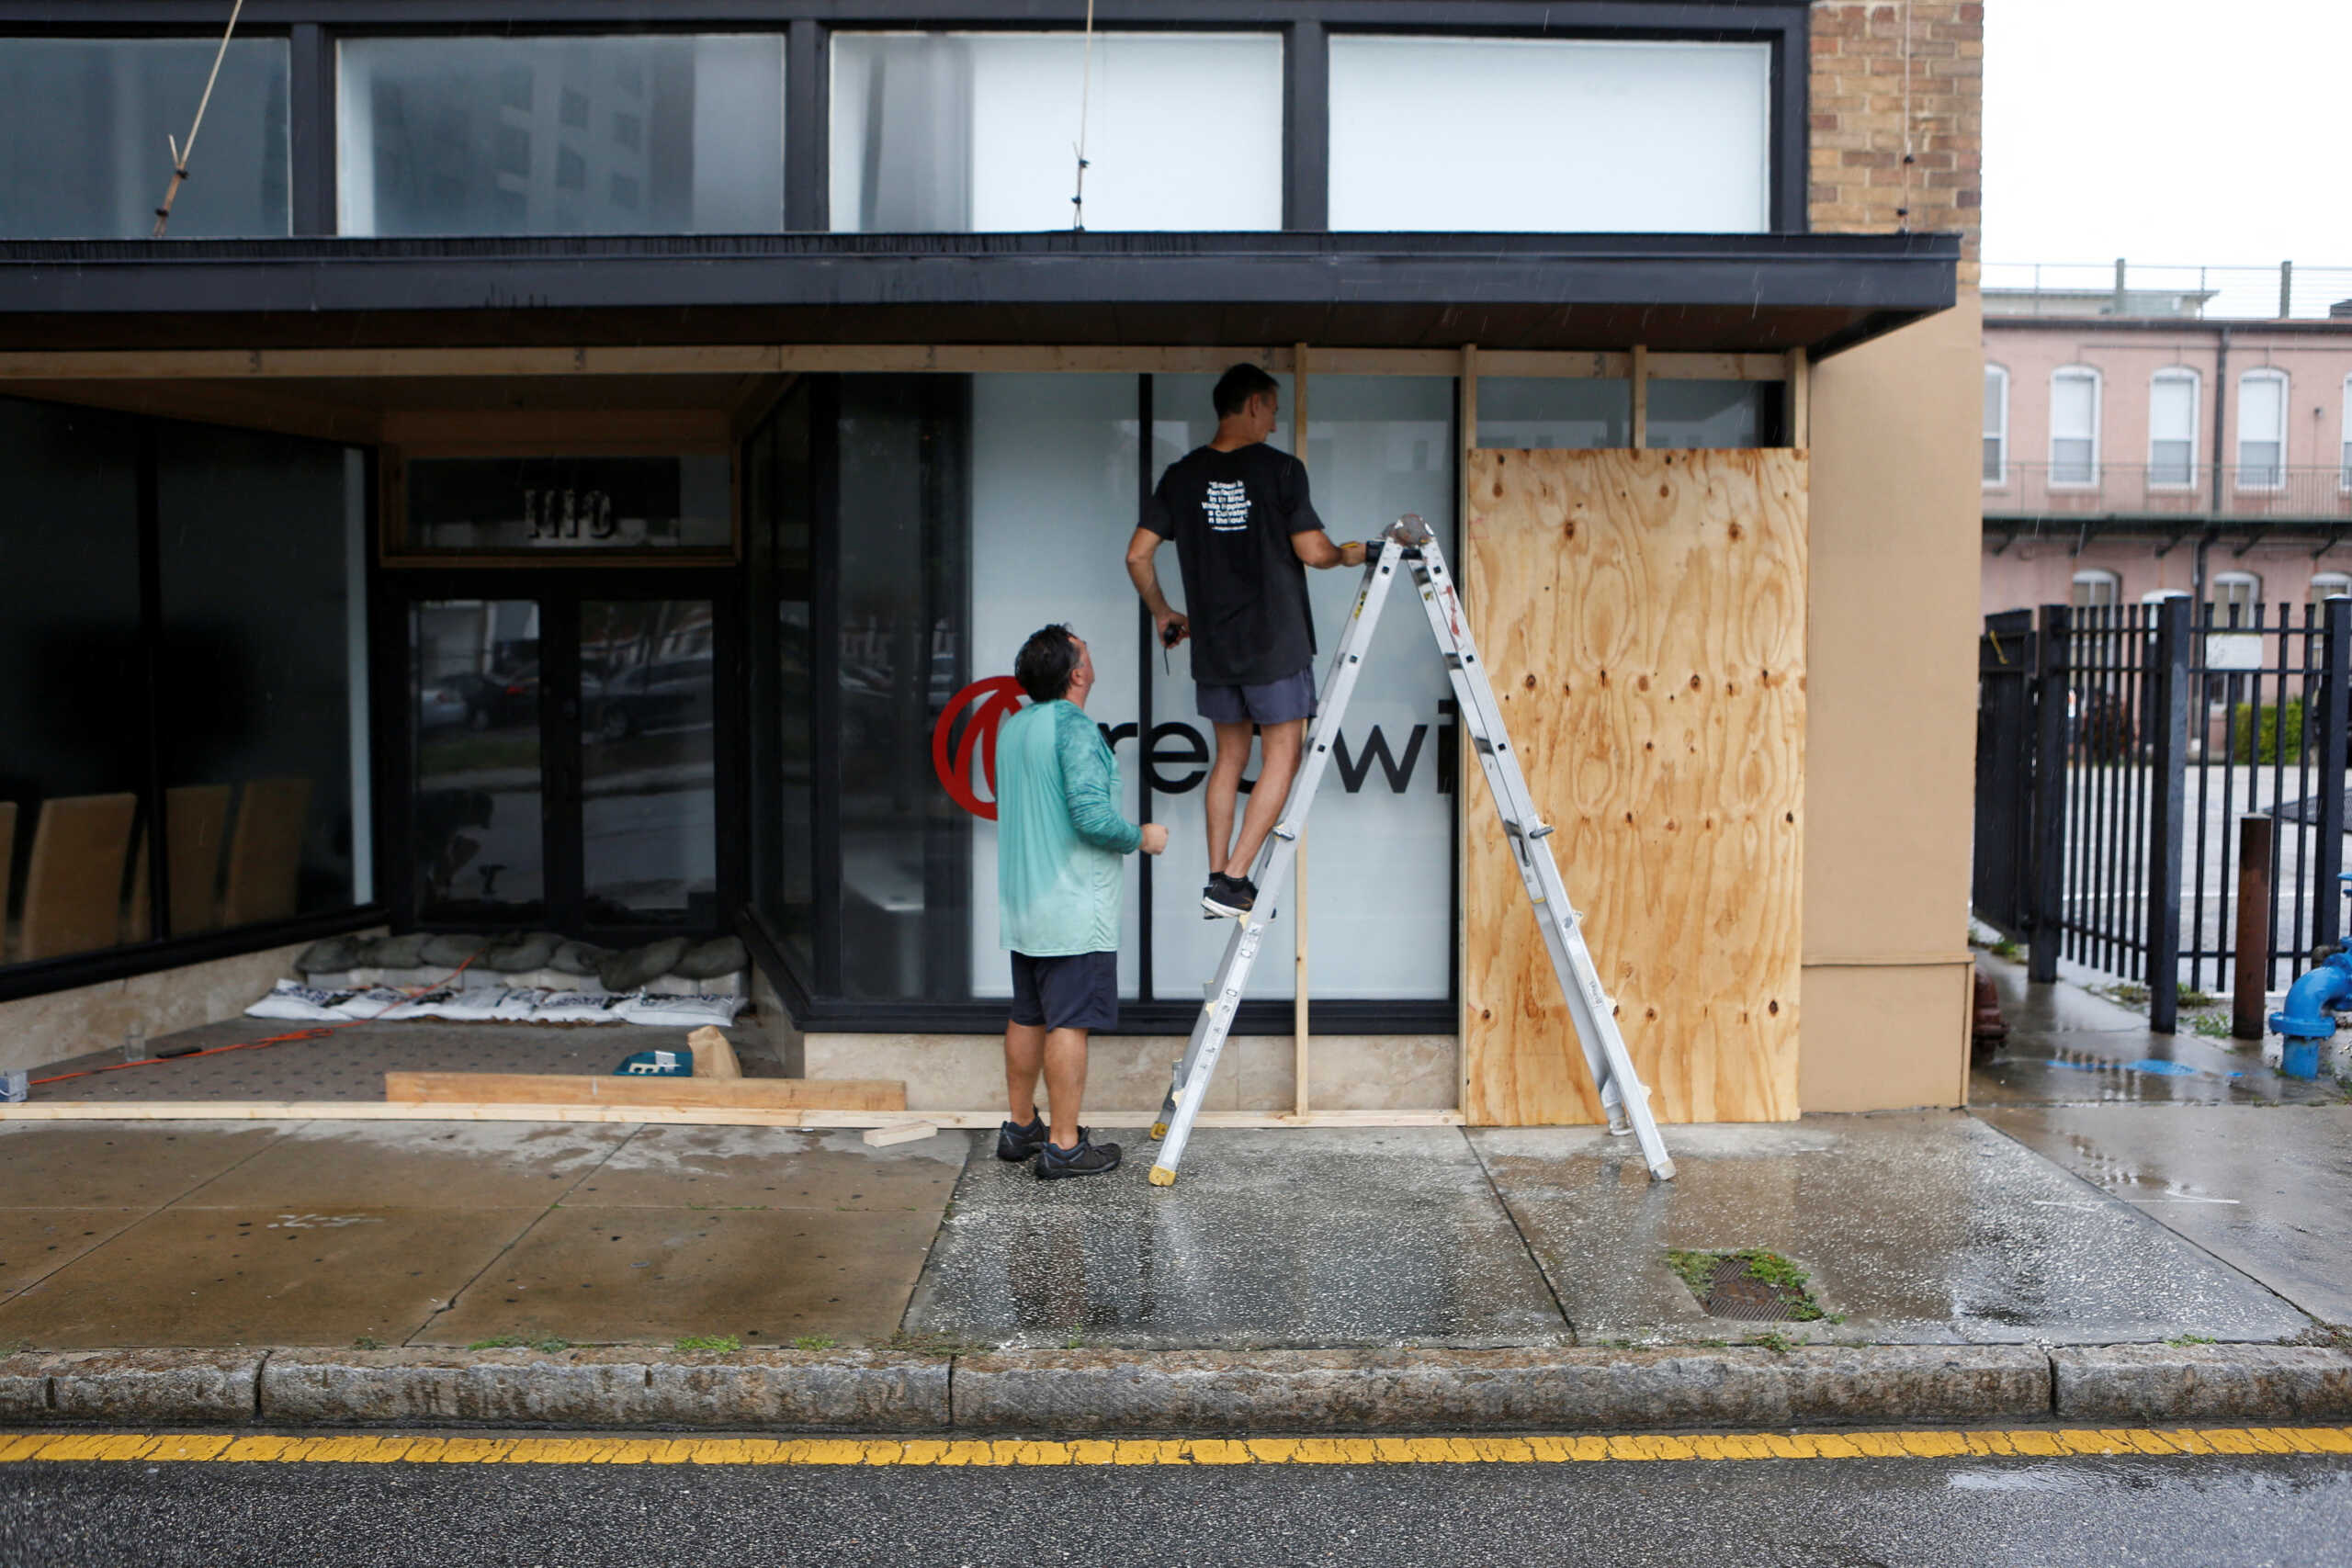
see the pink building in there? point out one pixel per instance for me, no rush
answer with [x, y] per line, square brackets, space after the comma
[2136, 448]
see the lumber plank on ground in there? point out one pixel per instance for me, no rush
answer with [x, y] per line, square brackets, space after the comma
[700, 1116]
[605, 1089]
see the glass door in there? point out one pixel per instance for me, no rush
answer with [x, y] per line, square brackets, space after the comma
[568, 755]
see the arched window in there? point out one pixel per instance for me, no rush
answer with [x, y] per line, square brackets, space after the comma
[1996, 428]
[2327, 585]
[2074, 427]
[2234, 595]
[2262, 430]
[2096, 590]
[2172, 429]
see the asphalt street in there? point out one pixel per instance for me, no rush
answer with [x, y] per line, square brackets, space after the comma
[2051, 1513]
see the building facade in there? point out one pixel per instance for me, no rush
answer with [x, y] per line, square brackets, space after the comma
[588, 467]
[2136, 447]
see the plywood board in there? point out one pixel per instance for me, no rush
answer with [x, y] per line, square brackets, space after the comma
[591, 1089]
[1643, 618]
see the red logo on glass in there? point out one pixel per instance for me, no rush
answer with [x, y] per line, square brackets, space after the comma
[963, 764]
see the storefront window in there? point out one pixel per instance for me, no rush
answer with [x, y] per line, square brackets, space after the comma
[1712, 414]
[640, 135]
[246, 697]
[778, 506]
[1533, 135]
[977, 132]
[478, 810]
[86, 120]
[1528, 414]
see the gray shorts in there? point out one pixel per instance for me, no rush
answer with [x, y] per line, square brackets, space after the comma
[1275, 702]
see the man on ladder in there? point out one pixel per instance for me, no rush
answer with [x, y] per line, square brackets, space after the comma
[1408, 549]
[1245, 533]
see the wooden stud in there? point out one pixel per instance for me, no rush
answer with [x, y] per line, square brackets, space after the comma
[761, 362]
[1640, 398]
[1465, 763]
[613, 1088]
[669, 1115]
[1800, 381]
[1299, 1048]
[907, 1133]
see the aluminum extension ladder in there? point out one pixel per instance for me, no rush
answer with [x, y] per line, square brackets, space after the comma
[1409, 545]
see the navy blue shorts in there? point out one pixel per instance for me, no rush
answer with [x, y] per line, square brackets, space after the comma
[1276, 702]
[1079, 990]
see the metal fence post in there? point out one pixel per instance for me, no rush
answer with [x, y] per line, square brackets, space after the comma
[2168, 804]
[2046, 898]
[2335, 708]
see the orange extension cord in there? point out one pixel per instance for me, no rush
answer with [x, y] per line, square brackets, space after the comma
[320, 1032]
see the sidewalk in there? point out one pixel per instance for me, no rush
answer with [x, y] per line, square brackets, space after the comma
[1974, 1249]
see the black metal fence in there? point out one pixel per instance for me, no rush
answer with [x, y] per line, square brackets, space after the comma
[2118, 749]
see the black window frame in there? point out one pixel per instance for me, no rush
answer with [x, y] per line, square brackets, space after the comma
[316, 27]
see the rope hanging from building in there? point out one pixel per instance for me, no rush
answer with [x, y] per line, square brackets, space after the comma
[1085, 76]
[180, 153]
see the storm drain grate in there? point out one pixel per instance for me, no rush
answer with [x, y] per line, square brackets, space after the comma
[1750, 1286]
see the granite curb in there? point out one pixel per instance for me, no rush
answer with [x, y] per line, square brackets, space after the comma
[1179, 1392]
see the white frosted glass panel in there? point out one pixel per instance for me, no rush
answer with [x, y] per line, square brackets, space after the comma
[1535, 412]
[1380, 846]
[956, 132]
[562, 135]
[1709, 413]
[1550, 135]
[1053, 503]
[84, 122]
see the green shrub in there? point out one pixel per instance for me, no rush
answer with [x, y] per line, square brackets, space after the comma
[2280, 724]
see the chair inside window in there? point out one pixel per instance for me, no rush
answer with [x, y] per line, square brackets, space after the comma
[73, 878]
[199, 821]
[266, 852]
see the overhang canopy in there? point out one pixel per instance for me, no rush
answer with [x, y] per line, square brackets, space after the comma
[1748, 293]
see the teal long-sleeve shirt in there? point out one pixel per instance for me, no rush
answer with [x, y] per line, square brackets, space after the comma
[1061, 843]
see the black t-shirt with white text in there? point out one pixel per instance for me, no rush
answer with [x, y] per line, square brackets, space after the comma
[1232, 516]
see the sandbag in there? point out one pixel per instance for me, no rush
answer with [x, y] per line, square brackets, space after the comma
[450, 949]
[307, 1004]
[577, 958]
[519, 953]
[330, 956]
[683, 1012]
[582, 1007]
[719, 956]
[631, 970]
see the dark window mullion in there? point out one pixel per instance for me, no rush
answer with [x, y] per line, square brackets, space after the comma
[310, 130]
[1306, 127]
[152, 656]
[807, 110]
[1144, 640]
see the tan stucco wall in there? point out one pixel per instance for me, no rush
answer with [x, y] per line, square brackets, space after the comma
[1890, 734]
[36, 1030]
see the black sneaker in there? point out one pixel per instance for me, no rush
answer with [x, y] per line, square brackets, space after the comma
[1227, 897]
[1090, 1158]
[1016, 1143]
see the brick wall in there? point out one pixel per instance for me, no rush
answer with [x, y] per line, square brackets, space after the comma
[1863, 125]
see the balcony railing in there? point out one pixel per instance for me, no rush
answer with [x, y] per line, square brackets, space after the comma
[2247, 492]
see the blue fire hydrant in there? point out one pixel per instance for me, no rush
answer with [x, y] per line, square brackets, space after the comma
[2308, 1018]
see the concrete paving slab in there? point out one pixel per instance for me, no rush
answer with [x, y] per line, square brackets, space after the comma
[2066, 1046]
[202, 1276]
[99, 1164]
[1920, 1227]
[762, 1167]
[1293, 1237]
[449, 1164]
[2265, 1189]
[35, 1243]
[600, 1276]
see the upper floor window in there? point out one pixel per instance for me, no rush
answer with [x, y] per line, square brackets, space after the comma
[2327, 585]
[977, 132]
[2097, 590]
[2262, 430]
[2234, 595]
[2344, 479]
[2172, 429]
[1997, 426]
[1566, 135]
[86, 121]
[2074, 427]
[636, 135]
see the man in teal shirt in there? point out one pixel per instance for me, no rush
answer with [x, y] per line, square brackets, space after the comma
[1061, 850]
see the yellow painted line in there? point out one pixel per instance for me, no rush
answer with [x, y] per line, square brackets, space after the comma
[1634, 1447]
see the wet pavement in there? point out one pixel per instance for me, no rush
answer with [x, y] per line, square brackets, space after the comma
[2267, 1189]
[2068, 1046]
[1288, 1237]
[1919, 1227]
[326, 1233]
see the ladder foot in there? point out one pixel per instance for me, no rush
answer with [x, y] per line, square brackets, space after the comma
[1158, 1131]
[1665, 1172]
[1163, 1177]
